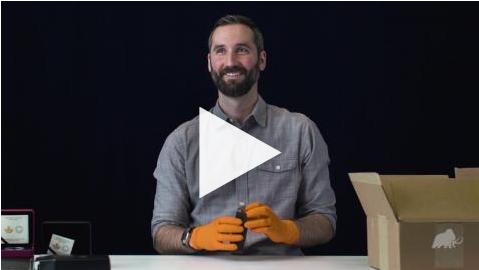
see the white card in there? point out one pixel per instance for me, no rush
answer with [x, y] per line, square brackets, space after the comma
[61, 245]
[15, 229]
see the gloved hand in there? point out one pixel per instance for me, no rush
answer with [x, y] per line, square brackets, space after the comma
[262, 219]
[218, 234]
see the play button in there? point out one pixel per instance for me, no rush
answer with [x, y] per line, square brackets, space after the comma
[227, 152]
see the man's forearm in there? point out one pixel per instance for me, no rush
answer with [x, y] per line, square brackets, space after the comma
[168, 240]
[314, 229]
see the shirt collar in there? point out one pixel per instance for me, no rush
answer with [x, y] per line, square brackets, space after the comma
[258, 113]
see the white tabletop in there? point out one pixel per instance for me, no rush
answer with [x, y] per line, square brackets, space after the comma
[165, 262]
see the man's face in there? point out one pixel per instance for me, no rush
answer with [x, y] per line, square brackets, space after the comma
[234, 62]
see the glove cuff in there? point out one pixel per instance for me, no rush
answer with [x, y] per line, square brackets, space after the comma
[194, 239]
[292, 232]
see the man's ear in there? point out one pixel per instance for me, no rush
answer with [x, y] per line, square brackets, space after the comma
[262, 60]
[209, 62]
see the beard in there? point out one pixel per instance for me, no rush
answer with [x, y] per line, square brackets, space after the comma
[235, 88]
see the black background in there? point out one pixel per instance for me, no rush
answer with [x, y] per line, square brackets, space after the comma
[91, 90]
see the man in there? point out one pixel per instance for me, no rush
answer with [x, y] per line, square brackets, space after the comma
[289, 201]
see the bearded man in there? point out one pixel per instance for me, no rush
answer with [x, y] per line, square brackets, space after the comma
[288, 200]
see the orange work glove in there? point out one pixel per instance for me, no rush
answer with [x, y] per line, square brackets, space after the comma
[217, 234]
[261, 219]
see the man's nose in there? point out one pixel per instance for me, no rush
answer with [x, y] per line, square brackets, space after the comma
[231, 60]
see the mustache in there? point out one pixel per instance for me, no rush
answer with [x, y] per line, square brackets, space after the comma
[239, 69]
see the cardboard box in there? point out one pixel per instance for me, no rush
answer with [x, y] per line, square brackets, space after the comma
[421, 221]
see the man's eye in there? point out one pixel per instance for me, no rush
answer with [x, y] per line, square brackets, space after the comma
[220, 51]
[242, 50]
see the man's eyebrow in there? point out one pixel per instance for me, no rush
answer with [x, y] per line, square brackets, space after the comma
[243, 44]
[217, 47]
[236, 45]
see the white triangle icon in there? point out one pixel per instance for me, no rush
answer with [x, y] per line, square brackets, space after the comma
[227, 152]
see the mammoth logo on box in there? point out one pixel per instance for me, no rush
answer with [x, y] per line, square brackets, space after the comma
[447, 239]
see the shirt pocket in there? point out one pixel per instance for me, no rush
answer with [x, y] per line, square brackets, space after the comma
[278, 178]
[278, 165]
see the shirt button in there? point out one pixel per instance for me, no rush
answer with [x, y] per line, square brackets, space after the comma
[278, 167]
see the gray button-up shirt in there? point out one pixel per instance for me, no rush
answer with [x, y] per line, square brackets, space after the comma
[294, 184]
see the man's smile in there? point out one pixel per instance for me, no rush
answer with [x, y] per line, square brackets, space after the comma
[233, 75]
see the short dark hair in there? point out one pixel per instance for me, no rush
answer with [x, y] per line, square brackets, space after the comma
[239, 19]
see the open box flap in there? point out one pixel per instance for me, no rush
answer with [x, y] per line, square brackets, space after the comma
[466, 172]
[433, 198]
[371, 195]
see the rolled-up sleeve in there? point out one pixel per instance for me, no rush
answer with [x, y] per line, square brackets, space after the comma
[316, 194]
[171, 203]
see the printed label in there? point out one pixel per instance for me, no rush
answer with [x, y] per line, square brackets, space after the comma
[60, 245]
[15, 229]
